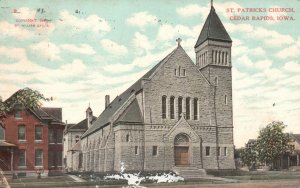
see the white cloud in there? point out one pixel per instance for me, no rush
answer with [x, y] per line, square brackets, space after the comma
[244, 60]
[167, 31]
[14, 31]
[24, 13]
[259, 51]
[263, 64]
[15, 53]
[47, 50]
[260, 65]
[142, 19]
[151, 58]
[82, 48]
[118, 67]
[142, 41]
[240, 49]
[191, 10]
[270, 37]
[292, 66]
[92, 23]
[113, 47]
[77, 66]
[291, 51]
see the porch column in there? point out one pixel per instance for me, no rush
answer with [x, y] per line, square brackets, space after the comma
[11, 159]
[298, 160]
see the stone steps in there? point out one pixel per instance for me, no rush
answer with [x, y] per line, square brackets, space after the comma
[188, 172]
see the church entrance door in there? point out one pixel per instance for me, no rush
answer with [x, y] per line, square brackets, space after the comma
[181, 150]
[181, 155]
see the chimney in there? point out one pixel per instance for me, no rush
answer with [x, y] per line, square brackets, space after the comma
[89, 116]
[107, 101]
[0, 99]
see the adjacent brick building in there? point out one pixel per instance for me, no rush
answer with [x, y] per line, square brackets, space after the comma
[179, 114]
[31, 141]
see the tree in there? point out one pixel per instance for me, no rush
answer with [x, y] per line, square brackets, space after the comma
[27, 98]
[249, 157]
[272, 143]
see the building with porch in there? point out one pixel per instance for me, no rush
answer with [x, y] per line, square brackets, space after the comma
[294, 157]
[31, 141]
[178, 115]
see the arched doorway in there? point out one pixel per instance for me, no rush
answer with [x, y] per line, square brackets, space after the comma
[181, 150]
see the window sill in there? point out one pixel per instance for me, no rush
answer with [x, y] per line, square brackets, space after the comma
[22, 167]
[38, 141]
[22, 141]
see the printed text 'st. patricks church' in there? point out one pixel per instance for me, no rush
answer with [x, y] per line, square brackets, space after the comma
[178, 114]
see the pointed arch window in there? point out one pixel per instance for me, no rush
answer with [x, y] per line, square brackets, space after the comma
[127, 138]
[172, 110]
[188, 108]
[164, 107]
[225, 100]
[195, 108]
[179, 107]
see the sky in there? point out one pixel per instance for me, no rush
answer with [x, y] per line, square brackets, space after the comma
[79, 51]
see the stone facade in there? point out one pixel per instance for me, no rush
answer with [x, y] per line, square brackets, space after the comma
[177, 114]
[72, 142]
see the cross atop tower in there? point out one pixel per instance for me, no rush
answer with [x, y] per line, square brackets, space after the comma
[178, 41]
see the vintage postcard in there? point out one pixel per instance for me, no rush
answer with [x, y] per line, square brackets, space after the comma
[135, 93]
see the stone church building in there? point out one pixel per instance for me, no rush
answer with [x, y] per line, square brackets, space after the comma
[177, 114]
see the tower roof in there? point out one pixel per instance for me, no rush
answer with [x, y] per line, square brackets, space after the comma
[213, 29]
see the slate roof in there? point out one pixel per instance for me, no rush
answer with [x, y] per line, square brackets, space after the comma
[118, 102]
[132, 114]
[45, 113]
[54, 112]
[82, 124]
[213, 29]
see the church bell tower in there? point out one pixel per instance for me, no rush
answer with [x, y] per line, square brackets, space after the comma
[213, 57]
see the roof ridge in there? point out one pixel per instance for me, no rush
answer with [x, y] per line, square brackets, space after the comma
[50, 114]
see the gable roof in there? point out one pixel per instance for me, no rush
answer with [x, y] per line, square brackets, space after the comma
[132, 114]
[213, 29]
[54, 112]
[44, 113]
[50, 114]
[82, 124]
[105, 117]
